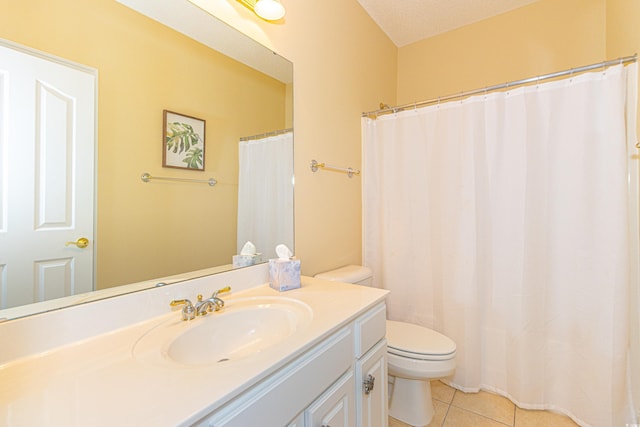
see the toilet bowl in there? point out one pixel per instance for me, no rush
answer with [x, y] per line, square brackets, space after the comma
[415, 356]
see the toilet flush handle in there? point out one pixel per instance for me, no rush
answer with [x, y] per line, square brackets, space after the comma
[368, 384]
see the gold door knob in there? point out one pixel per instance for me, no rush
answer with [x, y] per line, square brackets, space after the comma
[82, 243]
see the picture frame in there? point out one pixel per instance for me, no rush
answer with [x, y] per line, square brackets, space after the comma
[183, 141]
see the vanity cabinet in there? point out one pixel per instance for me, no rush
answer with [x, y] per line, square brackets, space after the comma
[323, 387]
[321, 373]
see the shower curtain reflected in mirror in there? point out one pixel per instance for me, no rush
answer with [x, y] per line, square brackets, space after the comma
[265, 193]
[505, 222]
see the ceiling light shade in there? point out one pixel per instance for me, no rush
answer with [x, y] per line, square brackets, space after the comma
[271, 10]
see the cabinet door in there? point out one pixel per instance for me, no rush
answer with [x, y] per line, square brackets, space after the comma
[372, 400]
[336, 407]
[297, 421]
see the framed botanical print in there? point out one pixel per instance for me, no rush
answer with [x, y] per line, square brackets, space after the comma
[183, 141]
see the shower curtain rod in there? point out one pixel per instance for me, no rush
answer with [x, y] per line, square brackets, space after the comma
[385, 109]
[266, 134]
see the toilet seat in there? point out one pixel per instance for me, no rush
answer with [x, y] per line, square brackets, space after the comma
[417, 342]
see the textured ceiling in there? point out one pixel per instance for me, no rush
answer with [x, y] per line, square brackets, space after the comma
[408, 21]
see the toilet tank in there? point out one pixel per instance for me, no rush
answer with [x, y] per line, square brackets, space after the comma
[357, 274]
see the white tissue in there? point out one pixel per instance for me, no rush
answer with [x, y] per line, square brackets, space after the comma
[248, 249]
[283, 252]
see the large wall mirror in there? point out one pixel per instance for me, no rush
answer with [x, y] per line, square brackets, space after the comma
[153, 56]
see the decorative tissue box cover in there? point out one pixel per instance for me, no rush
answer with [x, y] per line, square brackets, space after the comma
[246, 260]
[284, 274]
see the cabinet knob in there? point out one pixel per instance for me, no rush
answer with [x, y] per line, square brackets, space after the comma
[369, 383]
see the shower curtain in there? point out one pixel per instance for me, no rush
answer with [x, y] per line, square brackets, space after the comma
[504, 221]
[265, 193]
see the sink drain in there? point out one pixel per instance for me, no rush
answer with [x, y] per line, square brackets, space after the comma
[223, 360]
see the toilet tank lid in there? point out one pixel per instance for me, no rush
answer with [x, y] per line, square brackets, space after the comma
[347, 274]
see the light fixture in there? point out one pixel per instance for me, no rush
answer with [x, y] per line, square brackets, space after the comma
[270, 10]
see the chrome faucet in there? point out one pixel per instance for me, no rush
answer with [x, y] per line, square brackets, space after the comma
[212, 303]
[206, 306]
[202, 307]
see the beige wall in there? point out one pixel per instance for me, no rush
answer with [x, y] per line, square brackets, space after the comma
[343, 65]
[543, 37]
[156, 229]
[623, 32]
[623, 28]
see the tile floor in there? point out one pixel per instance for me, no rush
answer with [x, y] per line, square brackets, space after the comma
[457, 409]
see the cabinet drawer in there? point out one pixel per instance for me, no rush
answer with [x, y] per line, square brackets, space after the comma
[370, 328]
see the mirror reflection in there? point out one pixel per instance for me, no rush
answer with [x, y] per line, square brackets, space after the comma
[158, 230]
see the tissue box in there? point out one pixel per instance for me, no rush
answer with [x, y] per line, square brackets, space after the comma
[284, 274]
[246, 260]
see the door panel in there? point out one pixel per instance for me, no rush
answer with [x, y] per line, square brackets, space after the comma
[54, 147]
[53, 277]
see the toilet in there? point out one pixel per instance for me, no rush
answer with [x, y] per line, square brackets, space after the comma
[415, 356]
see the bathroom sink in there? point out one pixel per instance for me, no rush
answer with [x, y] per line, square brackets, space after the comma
[245, 327]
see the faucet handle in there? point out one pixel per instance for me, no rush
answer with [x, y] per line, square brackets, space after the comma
[220, 291]
[188, 311]
[219, 304]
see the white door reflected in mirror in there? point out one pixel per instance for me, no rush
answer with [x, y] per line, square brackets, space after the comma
[49, 143]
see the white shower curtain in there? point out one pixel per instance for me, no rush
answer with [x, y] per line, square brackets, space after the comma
[503, 222]
[265, 193]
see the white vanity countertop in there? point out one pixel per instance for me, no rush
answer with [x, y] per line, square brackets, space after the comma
[98, 382]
